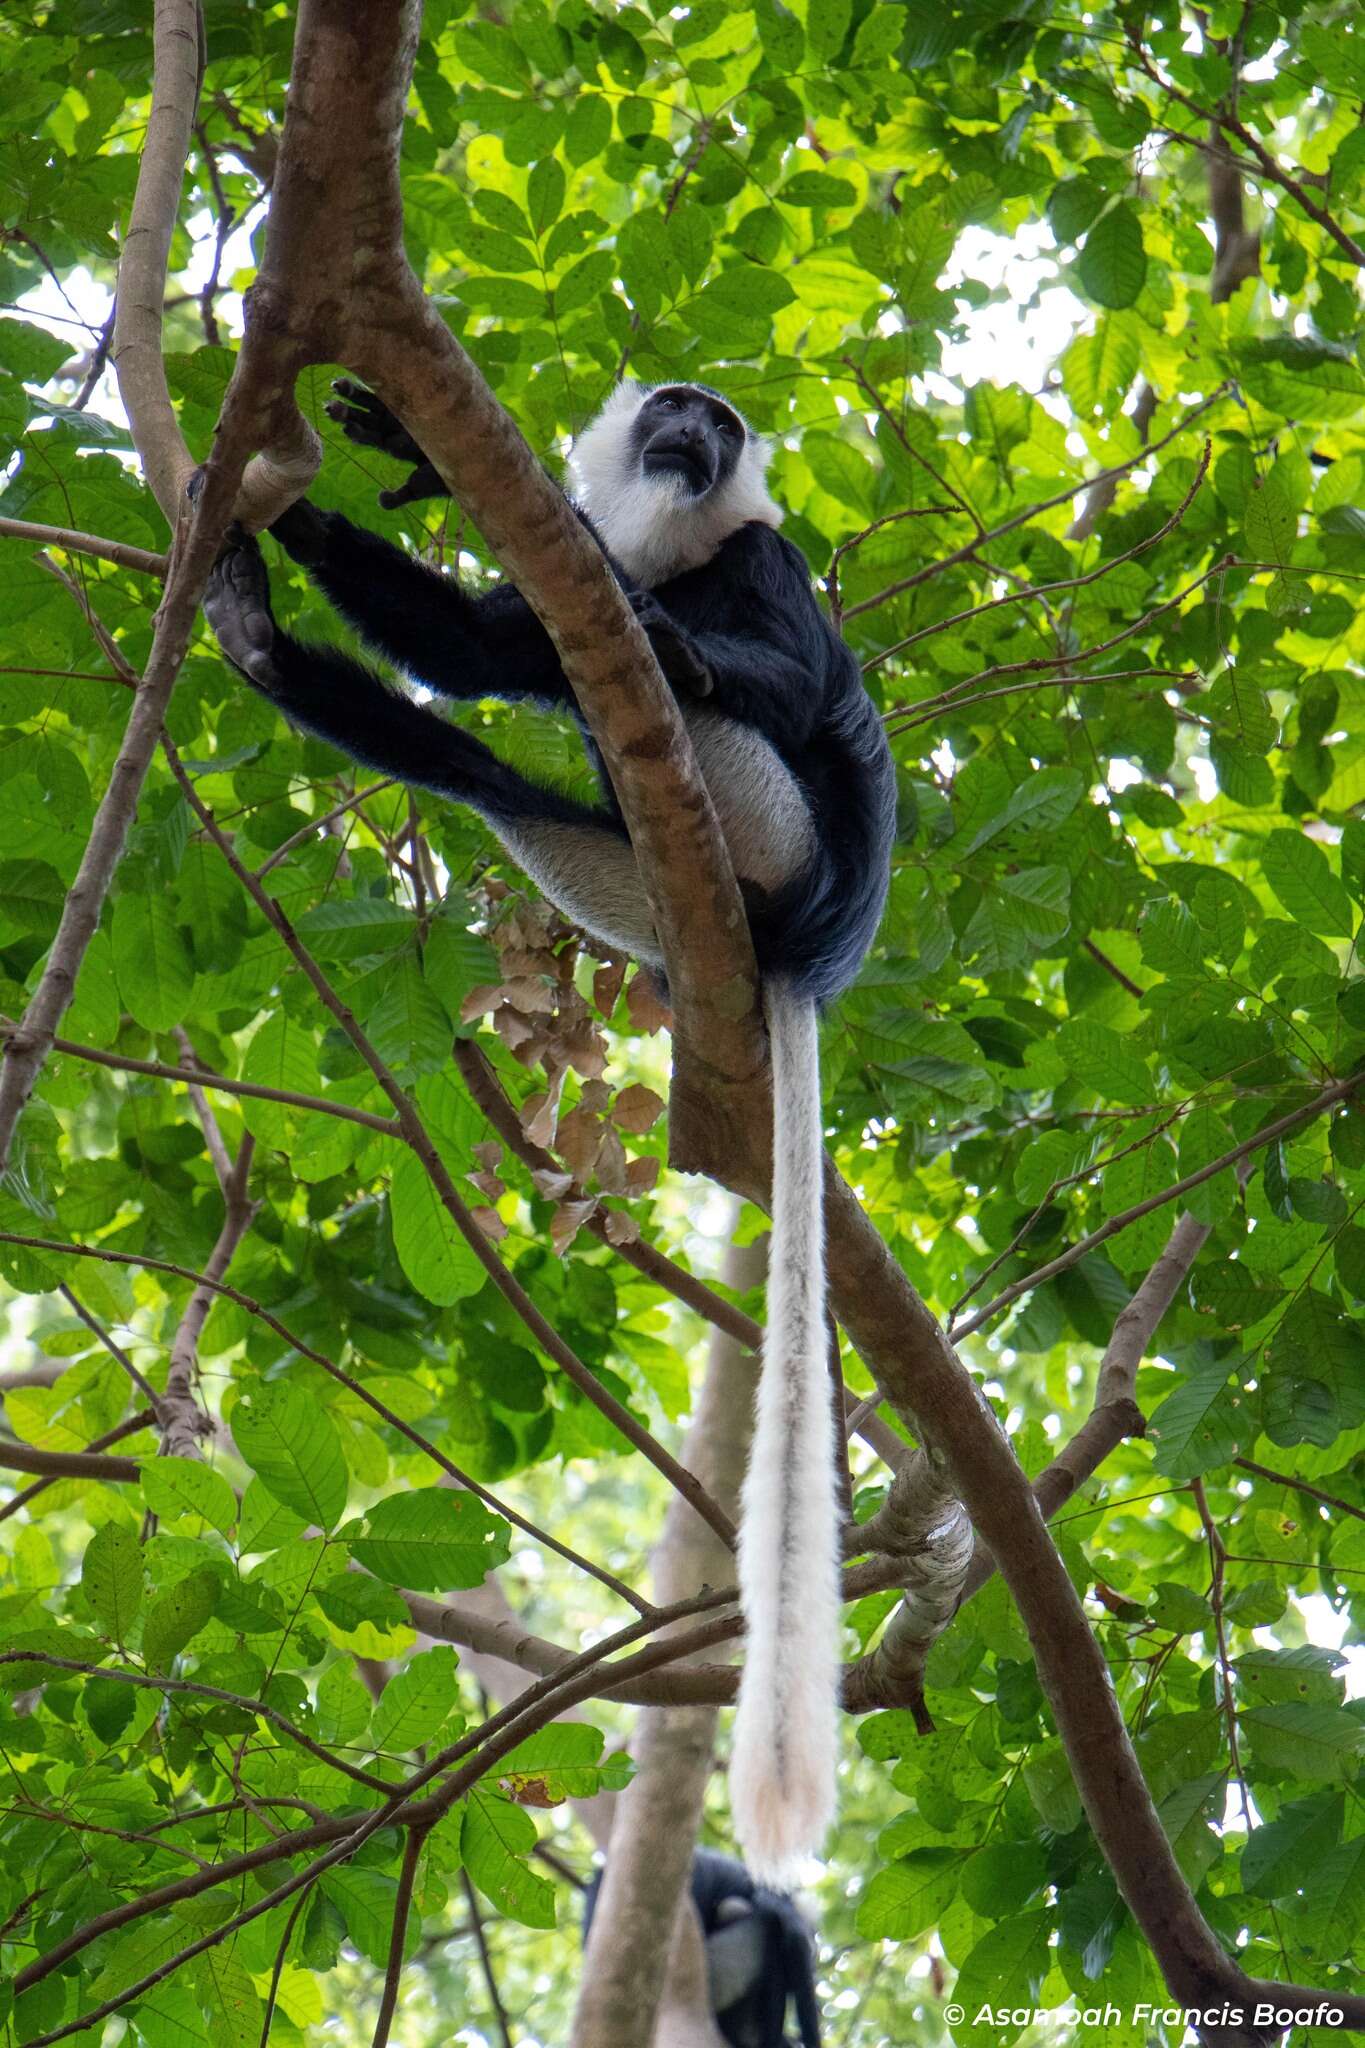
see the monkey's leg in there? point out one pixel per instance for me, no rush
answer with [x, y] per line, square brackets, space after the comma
[458, 645]
[579, 855]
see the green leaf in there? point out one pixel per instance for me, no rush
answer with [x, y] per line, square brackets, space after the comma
[588, 129]
[1103, 1062]
[818, 188]
[1282, 1855]
[496, 1838]
[1300, 379]
[176, 1487]
[431, 1249]
[111, 1579]
[545, 194]
[781, 35]
[1112, 267]
[366, 1900]
[1298, 871]
[291, 1442]
[911, 1896]
[1269, 521]
[431, 1540]
[415, 1702]
[175, 1617]
[152, 962]
[1198, 1427]
[827, 24]
[1308, 1741]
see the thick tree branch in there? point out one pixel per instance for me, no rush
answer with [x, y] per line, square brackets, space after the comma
[177, 32]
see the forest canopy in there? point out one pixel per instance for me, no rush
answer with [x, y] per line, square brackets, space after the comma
[367, 1325]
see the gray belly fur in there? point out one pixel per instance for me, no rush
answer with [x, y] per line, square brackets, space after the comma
[591, 874]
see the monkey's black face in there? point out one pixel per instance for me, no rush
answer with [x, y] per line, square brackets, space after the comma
[681, 431]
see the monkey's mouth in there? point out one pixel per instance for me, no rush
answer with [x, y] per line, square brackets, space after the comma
[691, 466]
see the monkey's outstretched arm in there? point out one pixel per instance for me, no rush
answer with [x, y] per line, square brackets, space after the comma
[458, 645]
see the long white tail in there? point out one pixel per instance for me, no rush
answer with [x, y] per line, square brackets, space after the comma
[782, 1765]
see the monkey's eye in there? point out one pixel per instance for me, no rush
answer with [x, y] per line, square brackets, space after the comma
[728, 427]
[666, 403]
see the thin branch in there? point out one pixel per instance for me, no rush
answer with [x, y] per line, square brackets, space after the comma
[1328, 1500]
[1044, 590]
[1218, 1559]
[208, 1122]
[969, 548]
[1265, 1136]
[1228, 124]
[130, 1427]
[111, 1345]
[160, 1682]
[486, 1960]
[402, 1906]
[183, 1422]
[224, 1084]
[50, 1465]
[316, 825]
[272, 1996]
[484, 1086]
[120, 552]
[27, 1048]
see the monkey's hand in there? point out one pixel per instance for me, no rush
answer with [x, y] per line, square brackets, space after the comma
[676, 652]
[237, 607]
[367, 421]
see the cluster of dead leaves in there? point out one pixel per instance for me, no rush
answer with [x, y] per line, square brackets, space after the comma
[576, 1156]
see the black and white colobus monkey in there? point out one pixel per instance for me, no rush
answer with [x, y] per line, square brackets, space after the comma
[672, 482]
[759, 1957]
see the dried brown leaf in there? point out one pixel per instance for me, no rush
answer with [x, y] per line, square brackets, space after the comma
[637, 1109]
[568, 1220]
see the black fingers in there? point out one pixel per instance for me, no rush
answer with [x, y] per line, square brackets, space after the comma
[237, 607]
[368, 422]
[676, 652]
[425, 482]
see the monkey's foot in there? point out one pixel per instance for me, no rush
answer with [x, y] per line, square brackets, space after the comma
[675, 650]
[237, 607]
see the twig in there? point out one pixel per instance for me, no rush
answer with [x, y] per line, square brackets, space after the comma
[208, 1122]
[130, 1427]
[315, 825]
[110, 1343]
[1228, 123]
[120, 552]
[194, 1077]
[486, 1960]
[1033, 590]
[1265, 1136]
[402, 1906]
[1328, 1500]
[969, 548]
[272, 1996]
[1218, 1558]
[484, 1086]
[192, 1686]
[138, 362]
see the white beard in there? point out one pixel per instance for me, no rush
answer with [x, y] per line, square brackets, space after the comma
[655, 527]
